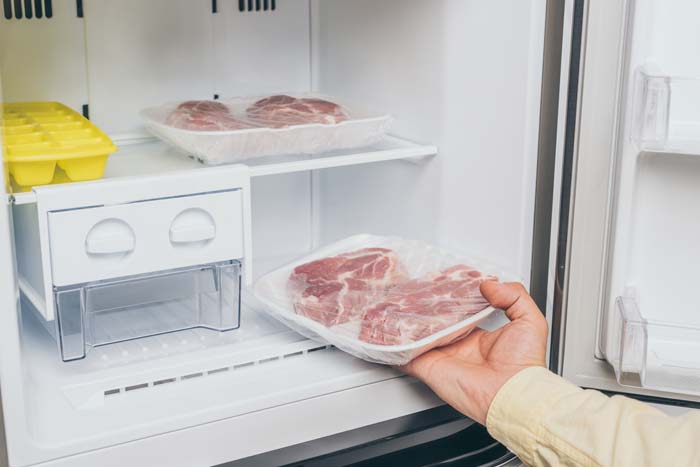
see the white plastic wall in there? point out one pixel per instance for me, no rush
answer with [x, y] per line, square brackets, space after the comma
[44, 59]
[464, 75]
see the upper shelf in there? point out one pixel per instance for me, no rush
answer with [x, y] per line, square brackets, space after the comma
[154, 157]
[667, 112]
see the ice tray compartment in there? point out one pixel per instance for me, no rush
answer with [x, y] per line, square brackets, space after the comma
[655, 355]
[111, 311]
[39, 138]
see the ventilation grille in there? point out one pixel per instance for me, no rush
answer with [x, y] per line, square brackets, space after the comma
[27, 9]
[212, 372]
[257, 5]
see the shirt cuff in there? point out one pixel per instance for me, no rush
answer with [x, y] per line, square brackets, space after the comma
[516, 415]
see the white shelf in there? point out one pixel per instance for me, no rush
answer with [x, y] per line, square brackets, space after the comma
[153, 157]
[149, 386]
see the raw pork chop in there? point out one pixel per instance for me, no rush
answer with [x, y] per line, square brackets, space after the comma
[204, 106]
[282, 110]
[205, 116]
[419, 308]
[338, 289]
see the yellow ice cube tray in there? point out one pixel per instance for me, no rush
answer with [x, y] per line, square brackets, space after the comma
[39, 136]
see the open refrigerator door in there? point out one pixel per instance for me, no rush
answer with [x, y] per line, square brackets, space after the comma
[651, 287]
[633, 237]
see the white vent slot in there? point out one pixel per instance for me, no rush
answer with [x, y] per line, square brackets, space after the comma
[243, 365]
[136, 386]
[193, 375]
[160, 382]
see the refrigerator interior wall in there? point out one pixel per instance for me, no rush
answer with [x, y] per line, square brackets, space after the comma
[647, 328]
[425, 63]
[446, 86]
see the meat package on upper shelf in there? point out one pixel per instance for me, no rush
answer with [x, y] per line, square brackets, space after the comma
[282, 110]
[231, 130]
[205, 116]
[382, 299]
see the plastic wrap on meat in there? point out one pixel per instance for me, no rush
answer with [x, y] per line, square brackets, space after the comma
[418, 308]
[282, 111]
[191, 116]
[204, 106]
[339, 289]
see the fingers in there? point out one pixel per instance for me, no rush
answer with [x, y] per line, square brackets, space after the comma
[513, 299]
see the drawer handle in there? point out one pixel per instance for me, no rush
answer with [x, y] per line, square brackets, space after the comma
[110, 237]
[192, 226]
[192, 233]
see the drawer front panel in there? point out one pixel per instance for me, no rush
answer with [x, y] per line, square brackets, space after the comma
[122, 240]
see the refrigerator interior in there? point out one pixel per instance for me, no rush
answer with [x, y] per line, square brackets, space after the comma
[461, 79]
[650, 327]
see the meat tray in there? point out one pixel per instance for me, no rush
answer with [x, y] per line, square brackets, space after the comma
[418, 257]
[362, 128]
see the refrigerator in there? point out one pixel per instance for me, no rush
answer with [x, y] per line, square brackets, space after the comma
[538, 134]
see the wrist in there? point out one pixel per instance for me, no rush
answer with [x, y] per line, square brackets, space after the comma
[490, 388]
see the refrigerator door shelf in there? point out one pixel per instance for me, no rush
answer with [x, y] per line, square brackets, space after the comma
[666, 112]
[654, 355]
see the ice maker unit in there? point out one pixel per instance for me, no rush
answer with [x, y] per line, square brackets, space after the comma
[136, 257]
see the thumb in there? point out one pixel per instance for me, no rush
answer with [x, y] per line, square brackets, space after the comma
[513, 299]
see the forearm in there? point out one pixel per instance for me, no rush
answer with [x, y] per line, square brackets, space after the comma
[547, 421]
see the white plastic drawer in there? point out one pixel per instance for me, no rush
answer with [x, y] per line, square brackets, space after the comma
[122, 240]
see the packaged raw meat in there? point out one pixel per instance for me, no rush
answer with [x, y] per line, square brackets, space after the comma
[339, 289]
[382, 299]
[419, 308]
[204, 106]
[198, 120]
[232, 130]
[282, 111]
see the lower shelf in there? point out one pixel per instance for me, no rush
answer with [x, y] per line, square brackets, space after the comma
[654, 355]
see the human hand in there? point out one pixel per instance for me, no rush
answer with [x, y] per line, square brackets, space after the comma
[468, 374]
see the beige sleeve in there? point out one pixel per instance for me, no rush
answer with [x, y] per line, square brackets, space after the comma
[547, 421]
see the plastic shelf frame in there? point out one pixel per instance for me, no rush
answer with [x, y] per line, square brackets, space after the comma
[655, 355]
[112, 311]
[666, 112]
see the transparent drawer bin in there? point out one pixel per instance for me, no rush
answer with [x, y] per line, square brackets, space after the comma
[111, 311]
[655, 355]
[666, 112]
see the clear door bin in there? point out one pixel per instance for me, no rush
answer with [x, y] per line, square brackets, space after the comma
[667, 112]
[111, 311]
[655, 355]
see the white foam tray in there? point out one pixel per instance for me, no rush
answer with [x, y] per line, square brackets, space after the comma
[419, 258]
[219, 147]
